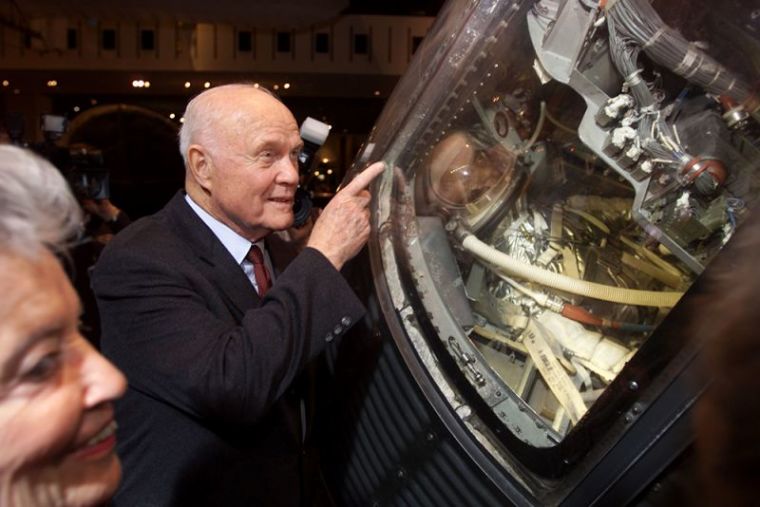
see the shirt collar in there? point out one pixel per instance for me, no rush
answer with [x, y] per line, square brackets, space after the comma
[235, 244]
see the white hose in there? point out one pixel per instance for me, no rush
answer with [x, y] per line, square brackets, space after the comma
[492, 256]
[539, 128]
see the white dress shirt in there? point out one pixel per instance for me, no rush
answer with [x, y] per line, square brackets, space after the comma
[235, 244]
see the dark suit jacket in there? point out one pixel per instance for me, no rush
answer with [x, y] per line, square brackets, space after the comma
[208, 418]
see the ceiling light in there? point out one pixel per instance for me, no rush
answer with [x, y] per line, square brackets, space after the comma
[182, 120]
[52, 83]
[147, 84]
[325, 160]
[255, 85]
[76, 109]
[377, 93]
[187, 84]
[329, 171]
[207, 84]
[172, 116]
[6, 82]
[286, 85]
[276, 87]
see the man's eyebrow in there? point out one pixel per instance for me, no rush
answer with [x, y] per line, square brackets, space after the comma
[265, 143]
[275, 143]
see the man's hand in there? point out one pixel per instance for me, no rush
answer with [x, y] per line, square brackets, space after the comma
[103, 208]
[343, 227]
[297, 237]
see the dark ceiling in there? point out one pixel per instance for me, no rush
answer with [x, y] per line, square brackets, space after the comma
[262, 13]
[395, 7]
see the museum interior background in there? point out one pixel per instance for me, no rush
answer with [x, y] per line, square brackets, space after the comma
[115, 78]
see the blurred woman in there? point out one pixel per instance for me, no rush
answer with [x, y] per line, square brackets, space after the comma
[57, 431]
[727, 318]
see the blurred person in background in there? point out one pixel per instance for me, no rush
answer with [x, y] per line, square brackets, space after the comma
[84, 168]
[57, 430]
[102, 219]
[726, 317]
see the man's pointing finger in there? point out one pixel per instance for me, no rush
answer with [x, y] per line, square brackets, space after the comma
[364, 178]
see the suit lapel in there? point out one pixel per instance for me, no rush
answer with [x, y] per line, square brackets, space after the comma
[217, 264]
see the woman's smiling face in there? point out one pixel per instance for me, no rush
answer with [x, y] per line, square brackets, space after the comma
[56, 416]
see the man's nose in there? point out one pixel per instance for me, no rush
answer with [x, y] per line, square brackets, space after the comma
[288, 173]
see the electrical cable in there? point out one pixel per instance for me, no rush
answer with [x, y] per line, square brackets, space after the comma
[509, 264]
[636, 21]
[559, 124]
[574, 312]
[537, 131]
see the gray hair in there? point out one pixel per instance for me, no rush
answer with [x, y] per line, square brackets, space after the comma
[37, 208]
[200, 119]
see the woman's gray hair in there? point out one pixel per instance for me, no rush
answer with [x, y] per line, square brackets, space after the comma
[37, 208]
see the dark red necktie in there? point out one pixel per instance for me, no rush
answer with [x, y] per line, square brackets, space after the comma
[256, 257]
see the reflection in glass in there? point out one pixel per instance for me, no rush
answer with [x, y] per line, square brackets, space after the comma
[463, 171]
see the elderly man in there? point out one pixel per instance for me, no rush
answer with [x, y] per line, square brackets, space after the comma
[210, 330]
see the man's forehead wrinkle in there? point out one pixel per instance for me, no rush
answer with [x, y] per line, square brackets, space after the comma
[240, 125]
[231, 127]
[239, 121]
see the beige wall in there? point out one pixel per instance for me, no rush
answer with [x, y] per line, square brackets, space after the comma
[213, 47]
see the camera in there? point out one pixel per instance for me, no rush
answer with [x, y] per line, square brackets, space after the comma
[313, 134]
[53, 126]
[87, 173]
[81, 164]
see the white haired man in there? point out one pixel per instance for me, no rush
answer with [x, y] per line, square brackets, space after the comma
[209, 329]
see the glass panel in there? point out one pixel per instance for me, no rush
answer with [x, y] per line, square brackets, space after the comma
[416, 41]
[562, 174]
[147, 40]
[361, 43]
[283, 42]
[72, 38]
[322, 42]
[108, 39]
[245, 41]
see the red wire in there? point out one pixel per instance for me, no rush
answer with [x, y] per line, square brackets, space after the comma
[581, 315]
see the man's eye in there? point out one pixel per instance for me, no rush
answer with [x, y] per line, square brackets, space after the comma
[295, 154]
[45, 368]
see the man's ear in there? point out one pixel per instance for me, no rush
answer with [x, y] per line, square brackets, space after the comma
[201, 166]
